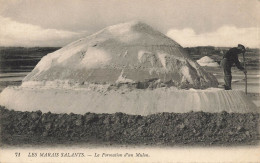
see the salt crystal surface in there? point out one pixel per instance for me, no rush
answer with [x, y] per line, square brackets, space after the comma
[137, 102]
[143, 53]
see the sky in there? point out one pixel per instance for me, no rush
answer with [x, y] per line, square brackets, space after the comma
[189, 22]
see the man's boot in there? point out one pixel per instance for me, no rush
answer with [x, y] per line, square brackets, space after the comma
[228, 79]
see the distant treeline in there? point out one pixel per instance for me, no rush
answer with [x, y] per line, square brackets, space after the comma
[16, 59]
[211, 50]
[21, 51]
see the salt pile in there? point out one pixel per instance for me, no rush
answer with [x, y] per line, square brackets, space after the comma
[129, 68]
[207, 61]
[124, 53]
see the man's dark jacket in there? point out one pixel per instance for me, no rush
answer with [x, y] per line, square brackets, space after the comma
[232, 57]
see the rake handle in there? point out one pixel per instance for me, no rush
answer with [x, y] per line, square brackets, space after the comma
[245, 73]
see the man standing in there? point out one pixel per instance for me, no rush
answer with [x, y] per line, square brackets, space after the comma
[227, 62]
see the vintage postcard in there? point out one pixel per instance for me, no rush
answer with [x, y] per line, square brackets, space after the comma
[129, 81]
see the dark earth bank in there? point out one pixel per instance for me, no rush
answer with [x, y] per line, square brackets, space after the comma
[193, 128]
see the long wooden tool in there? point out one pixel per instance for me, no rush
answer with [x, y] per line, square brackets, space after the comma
[245, 73]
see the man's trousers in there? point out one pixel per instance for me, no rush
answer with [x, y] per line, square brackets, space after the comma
[227, 73]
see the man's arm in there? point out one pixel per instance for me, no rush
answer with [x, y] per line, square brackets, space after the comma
[238, 64]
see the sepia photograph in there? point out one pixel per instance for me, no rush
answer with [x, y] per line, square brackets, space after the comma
[129, 81]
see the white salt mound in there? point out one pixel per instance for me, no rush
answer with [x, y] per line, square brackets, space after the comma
[207, 61]
[136, 49]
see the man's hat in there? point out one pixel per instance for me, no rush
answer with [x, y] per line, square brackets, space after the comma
[242, 46]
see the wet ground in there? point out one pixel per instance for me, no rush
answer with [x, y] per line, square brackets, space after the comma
[238, 81]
